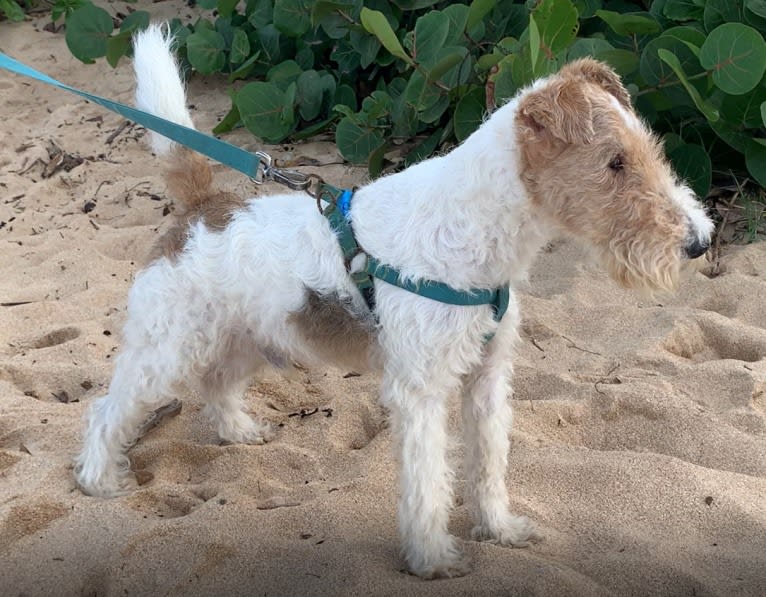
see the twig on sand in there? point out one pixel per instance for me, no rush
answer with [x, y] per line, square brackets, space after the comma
[158, 416]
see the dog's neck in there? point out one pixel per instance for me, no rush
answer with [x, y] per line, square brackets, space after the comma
[464, 218]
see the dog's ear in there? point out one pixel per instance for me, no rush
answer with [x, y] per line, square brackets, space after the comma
[559, 110]
[599, 73]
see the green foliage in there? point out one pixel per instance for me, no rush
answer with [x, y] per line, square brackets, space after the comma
[401, 79]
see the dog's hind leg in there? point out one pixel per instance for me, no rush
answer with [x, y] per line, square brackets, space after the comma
[222, 387]
[486, 426]
[142, 381]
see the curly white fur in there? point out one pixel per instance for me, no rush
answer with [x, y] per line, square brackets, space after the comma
[220, 311]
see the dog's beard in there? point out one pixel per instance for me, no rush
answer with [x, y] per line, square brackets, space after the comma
[644, 270]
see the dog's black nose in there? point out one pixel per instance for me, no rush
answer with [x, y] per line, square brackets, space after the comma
[696, 248]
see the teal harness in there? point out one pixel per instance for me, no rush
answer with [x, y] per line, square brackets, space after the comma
[337, 213]
[259, 167]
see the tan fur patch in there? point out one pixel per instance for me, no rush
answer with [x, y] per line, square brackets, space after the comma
[190, 183]
[332, 327]
[593, 71]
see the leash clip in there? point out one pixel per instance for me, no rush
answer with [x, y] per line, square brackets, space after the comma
[292, 179]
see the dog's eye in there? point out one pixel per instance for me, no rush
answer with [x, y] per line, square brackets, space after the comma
[616, 164]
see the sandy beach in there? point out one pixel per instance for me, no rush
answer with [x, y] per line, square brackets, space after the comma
[639, 439]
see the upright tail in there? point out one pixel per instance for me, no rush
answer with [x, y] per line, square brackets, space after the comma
[160, 91]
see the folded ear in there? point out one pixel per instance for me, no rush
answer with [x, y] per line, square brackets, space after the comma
[599, 73]
[559, 109]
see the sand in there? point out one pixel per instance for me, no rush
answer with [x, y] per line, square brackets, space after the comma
[639, 441]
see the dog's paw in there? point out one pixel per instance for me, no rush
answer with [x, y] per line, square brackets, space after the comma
[449, 562]
[518, 531]
[105, 484]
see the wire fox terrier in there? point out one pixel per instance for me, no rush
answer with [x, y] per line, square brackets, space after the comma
[239, 285]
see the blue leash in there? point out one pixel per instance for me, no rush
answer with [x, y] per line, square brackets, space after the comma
[225, 153]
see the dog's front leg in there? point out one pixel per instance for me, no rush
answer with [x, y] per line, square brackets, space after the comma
[487, 426]
[419, 423]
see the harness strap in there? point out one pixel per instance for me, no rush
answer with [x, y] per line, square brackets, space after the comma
[498, 298]
[336, 212]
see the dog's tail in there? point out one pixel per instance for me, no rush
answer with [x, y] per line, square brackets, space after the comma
[160, 91]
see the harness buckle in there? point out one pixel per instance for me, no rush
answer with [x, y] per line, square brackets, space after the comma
[292, 179]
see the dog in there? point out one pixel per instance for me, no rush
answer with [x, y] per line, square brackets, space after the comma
[240, 285]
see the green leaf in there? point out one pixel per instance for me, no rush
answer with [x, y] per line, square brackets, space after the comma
[420, 94]
[424, 149]
[718, 12]
[430, 34]
[292, 17]
[356, 142]
[734, 137]
[12, 10]
[683, 10]
[284, 73]
[671, 141]
[469, 113]
[692, 164]
[590, 46]
[309, 94]
[557, 23]
[240, 47]
[313, 129]
[736, 54]
[707, 110]
[629, 24]
[534, 39]
[345, 95]
[376, 23]
[505, 86]
[243, 70]
[375, 161]
[756, 6]
[625, 62]
[288, 107]
[458, 16]
[755, 159]
[116, 48]
[205, 50]
[744, 111]
[477, 11]
[87, 30]
[413, 4]
[687, 34]
[226, 7]
[328, 14]
[135, 21]
[656, 72]
[444, 65]
[259, 13]
[587, 8]
[763, 113]
[366, 45]
[376, 106]
[261, 107]
[228, 122]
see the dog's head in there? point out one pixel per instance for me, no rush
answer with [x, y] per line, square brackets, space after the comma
[593, 167]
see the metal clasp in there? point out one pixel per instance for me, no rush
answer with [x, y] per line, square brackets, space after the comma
[297, 181]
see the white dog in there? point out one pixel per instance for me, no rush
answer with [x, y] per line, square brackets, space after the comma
[241, 284]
